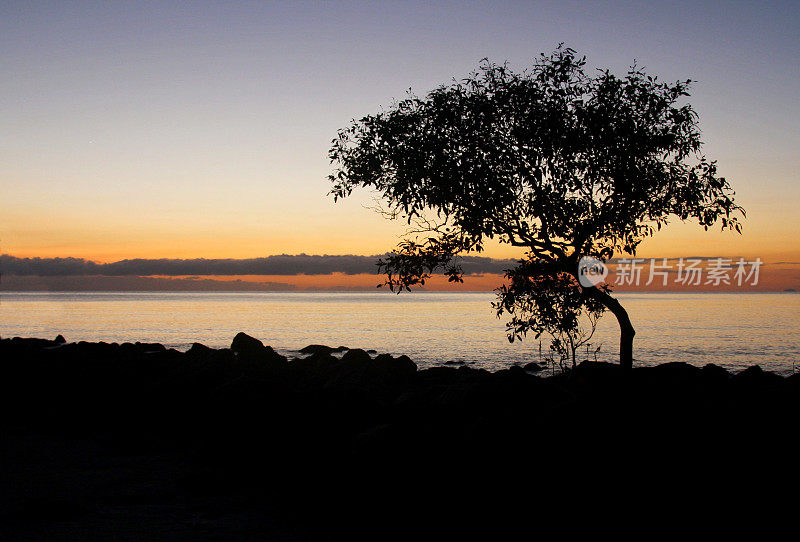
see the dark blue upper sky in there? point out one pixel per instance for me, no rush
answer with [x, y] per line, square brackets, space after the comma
[203, 120]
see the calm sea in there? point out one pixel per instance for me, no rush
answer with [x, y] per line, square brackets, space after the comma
[732, 330]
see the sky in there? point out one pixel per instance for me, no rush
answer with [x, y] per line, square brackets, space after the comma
[201, 130]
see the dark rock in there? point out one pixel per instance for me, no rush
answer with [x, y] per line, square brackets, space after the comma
[322, 349]
[149, 348]
[244, 344]
[32, 343]
[681, 368]
[438, 376]
[97, 350]
[454, 362]
[251, 354]
[199, 350]
[400, 366]
[317, 364]
[794, 381]
[668, 374]
[756, 376]
[406, 361]
[60, 339]
[316, 349]
[598, 367]
[377, 381]
[752, 372]
[714, 373]
[129, 350]
[356, 355]
[533, 367]
[593, 374]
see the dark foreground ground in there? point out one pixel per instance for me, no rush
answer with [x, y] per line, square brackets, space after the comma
[138, 442]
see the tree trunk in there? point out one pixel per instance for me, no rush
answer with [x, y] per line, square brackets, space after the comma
[625, 327]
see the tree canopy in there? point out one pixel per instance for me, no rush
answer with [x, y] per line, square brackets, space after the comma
[557, 160]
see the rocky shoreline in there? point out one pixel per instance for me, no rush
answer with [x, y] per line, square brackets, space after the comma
[242, 442]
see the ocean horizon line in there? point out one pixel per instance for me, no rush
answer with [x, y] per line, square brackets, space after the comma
[344, 291]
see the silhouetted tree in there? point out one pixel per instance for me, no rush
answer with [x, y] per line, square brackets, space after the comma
[550, 304]
[558, 161]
